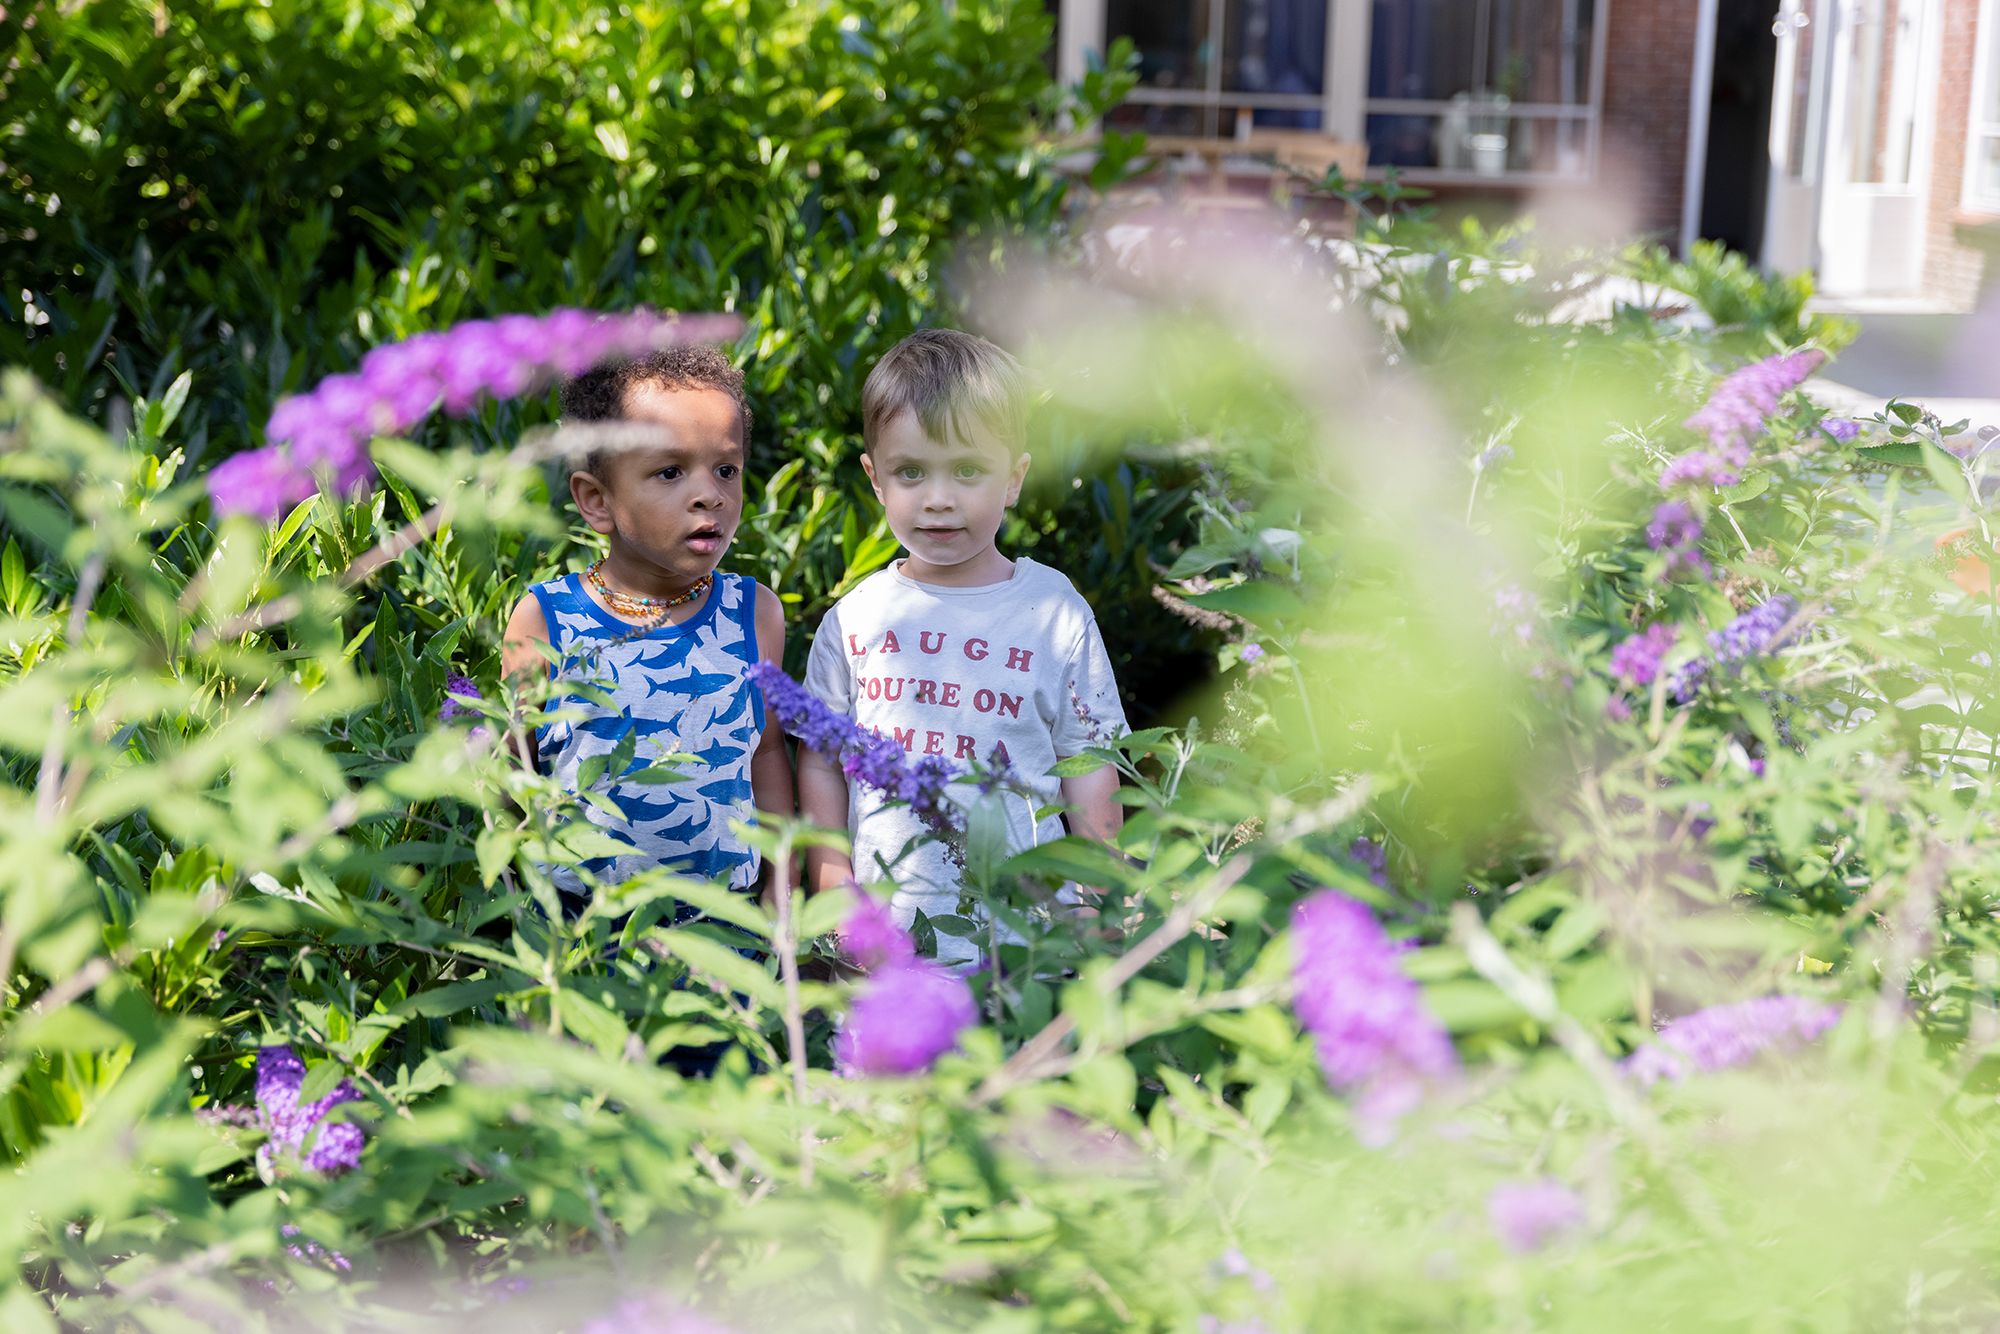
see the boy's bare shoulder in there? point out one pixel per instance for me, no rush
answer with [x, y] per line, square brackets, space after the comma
[770, 625]
[527, 620]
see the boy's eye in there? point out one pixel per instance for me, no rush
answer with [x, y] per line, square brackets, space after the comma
[910, 472]
[727, 471]
[670, 473]
[969, 471]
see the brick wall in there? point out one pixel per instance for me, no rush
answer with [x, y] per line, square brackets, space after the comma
[1649, 65]
[1951, 271]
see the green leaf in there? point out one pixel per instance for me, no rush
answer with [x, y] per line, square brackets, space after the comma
[452, 998]
[723, 965]
[320, 1080]
[495, 848]
[824, 911]
[585, 1019]
[952, 925]
[726, 905]
[1076, 766]
[1258, 602]
[1081, 859]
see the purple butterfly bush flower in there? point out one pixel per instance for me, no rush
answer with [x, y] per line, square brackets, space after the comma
[1492, 455]
[653, 1314]
[1701, 469]
[1676, 529]
[1734, 417]
[871, 937]
[459, 692]
[1373, 856]
[322, 437]
[1638, 658]
[1515, 610]
[1527, 1215]
[1756, 632]
[903, 1017]
[1368, 1021]
[864, 756]
[1842, 429]
[1252, 654]
[311, 1252]
[328, 1148]
[1727, 1035]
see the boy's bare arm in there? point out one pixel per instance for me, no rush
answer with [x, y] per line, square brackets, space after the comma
[519, 655]
[1094, 808]
[770, 768]
[525, 628]
[823, 800]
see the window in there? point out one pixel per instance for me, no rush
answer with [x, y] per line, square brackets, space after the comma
[1982, 143]
[1472, 89]
[1445, 90]
[1202, 63]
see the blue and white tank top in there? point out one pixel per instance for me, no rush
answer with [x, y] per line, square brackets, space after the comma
[681, 688]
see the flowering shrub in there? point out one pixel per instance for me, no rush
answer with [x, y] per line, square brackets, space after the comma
[1397, 1005]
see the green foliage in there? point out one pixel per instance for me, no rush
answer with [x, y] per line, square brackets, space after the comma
[233, 818]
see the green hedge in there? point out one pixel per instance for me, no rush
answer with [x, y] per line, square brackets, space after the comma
[256, 194]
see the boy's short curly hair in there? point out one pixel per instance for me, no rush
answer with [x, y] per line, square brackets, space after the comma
[598, 395]
[941, 375]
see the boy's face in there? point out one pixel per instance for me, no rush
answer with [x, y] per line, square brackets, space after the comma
[670, 509]
[945, 501]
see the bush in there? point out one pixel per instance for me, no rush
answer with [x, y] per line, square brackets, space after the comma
[1503, 762]
[253, 198]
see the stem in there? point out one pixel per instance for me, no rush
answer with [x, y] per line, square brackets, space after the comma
[795, 1023]
[48, 784]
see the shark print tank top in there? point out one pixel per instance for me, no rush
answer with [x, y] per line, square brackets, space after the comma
[678, 688]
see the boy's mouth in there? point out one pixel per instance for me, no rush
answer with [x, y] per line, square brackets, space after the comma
[705, 539]
[939, 534]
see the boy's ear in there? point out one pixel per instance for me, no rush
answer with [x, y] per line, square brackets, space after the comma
[868, 466]
[593, 501]
[1019, 476]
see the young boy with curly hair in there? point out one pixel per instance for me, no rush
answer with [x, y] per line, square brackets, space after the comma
[656, 625]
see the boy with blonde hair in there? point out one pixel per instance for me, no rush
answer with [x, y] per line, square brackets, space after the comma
[955, 650]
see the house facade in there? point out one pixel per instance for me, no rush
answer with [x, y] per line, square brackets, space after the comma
[1856, 138]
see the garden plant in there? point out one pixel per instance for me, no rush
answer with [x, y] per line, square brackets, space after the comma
[1558, 896]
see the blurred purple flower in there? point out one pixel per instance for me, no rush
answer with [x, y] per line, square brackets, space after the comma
[1726, 1035]
[311, 1251]
[459, 692]
[1755, 633]
[1675, 529]
[1375, 1038]
[904, 1017]
[653, 1314]
[329, 1148]
[1673, 525]
[1527, 1215]
[1842, 429]
[1252, 654]
[324, 434]
[1700, 468]
[870, 935]
[1734, 415]
[1638, 658]
[1373, 856]
[1491, 455]
[864, 756]
[1515, 610]
[1617, 710]
[262, 482]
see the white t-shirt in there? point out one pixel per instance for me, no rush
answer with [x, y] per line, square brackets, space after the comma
[958, 672]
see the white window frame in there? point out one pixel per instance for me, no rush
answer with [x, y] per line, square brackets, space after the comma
[1339, 103]
[1590, 112]
[1985, 79]
[1343, 103]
